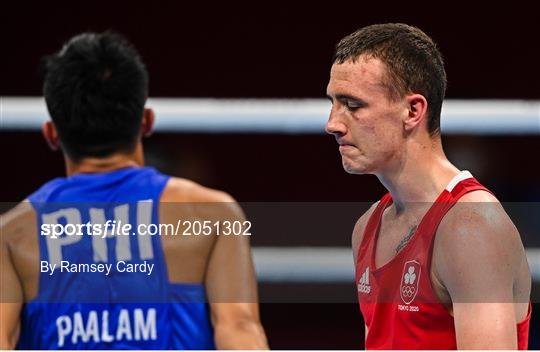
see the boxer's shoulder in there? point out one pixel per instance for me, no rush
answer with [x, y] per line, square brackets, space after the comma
[184, 190]
[18, 221]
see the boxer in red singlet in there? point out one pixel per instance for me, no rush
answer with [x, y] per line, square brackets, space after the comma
[439, 264]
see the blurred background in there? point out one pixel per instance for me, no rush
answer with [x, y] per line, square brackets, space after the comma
[263, 51]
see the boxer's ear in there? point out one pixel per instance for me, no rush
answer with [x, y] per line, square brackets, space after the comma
[417, 108]
[147, 125]
[51, 135]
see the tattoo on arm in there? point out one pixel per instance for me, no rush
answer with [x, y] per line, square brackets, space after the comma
[406, 239]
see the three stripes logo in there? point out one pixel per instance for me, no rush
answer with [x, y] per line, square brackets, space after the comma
[363, 284]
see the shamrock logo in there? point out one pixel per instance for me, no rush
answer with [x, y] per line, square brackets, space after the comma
[410, 276]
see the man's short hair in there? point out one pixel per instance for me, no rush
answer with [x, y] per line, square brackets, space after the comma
[414, 64]
[95, 88]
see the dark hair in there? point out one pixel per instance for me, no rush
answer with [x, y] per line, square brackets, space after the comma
[95, 88]
[414, 64]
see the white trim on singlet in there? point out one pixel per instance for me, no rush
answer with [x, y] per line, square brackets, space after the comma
[463, 175]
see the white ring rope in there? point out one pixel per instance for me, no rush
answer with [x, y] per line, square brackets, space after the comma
[299, 116]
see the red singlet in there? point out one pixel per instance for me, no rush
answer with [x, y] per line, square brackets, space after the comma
[397, 300]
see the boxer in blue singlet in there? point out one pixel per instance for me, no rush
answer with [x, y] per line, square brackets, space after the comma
[116, 290]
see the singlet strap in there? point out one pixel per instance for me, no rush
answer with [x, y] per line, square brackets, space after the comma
[372, 224]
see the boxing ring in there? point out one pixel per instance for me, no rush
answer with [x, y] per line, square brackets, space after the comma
[303, 116]
[312, 282]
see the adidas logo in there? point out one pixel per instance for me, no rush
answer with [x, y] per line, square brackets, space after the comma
[363, 285]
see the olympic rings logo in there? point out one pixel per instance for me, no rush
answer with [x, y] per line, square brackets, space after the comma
[408, 291]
